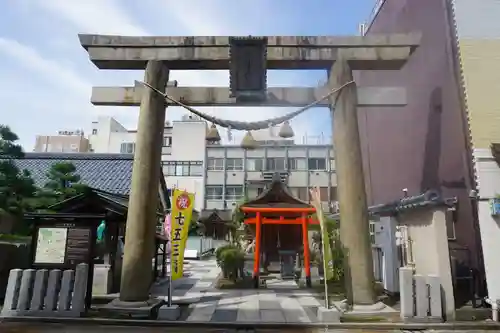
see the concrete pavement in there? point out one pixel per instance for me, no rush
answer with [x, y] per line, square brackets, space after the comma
[281, 302]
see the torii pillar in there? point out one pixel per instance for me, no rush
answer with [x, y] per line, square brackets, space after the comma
[141, 218]
[354, 220]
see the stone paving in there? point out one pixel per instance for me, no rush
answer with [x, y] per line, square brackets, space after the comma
[60, 328]
[280, 302]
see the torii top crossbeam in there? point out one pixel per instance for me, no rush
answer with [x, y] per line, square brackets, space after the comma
[382, 52]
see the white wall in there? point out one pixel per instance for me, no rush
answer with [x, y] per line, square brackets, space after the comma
[488, 178]
[188, 140]
[116, 139]
[190, 184]
[188, 144]
[110, 135]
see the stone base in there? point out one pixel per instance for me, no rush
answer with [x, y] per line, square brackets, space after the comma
[166, 312]
[40, 313]
[423, 320]
[185, 300]
[371, 308]
[363, 309]
[329, 316]
[144, 309]
[102, 281]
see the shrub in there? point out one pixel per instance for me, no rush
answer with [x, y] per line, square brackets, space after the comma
[232, 261]
[338, 256]
[336, 248]
[220, 250]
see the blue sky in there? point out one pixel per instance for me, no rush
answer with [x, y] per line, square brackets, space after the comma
[46, 77]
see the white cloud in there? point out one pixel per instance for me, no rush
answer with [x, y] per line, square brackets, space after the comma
[197, 17]
[55, 74]
[94, 16]
[110, 17]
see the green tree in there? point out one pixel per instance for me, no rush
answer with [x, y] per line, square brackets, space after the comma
[16, 186]
[237, 220]
[63, 183]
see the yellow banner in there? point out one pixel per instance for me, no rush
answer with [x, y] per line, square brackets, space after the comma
[182, 212]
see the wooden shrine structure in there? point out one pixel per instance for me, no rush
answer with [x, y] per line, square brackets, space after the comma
[277, 211]
[248, 59]
[92, 207]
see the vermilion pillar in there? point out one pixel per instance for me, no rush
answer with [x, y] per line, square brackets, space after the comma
[305, 241]
[256, 258]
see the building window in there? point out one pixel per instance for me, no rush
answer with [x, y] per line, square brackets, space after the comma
[213, 192]
[215, 164]
[74, 148]
[333, 194]
[196, 169]
[303, 193]
[183, 168]
[323, 194]
[234, 164]
[234, 192]
[332, 165]
[316, 164]
[94, 131]
[300, 193]
[167, 141]
[169, 170]
[451, 218]
[275, 163]
[297, 163]
[255, 164]
[127, 148]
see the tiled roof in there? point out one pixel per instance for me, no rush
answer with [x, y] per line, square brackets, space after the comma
[107, 172]
[428, 199]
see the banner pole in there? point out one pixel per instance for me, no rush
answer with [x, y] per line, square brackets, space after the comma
[325, 282]
[169, 268]
[316, 199]
[169, 296]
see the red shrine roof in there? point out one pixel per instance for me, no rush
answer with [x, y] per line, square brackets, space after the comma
[277, 195]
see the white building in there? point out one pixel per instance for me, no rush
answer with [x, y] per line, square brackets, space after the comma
[221, 175]
[183, 156]
[183, 159]
[109, 136]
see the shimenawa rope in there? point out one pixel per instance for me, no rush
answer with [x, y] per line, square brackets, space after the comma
[247, 126]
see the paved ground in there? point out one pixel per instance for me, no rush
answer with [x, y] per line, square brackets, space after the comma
[25, 328]
[20, 328]
[281, 302]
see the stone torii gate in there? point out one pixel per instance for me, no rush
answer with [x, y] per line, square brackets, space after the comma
[248, 59]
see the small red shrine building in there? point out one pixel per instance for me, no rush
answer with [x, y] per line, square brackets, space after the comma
[280, 222]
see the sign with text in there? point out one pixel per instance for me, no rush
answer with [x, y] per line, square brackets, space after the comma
[63, 244]
[182, 212]
[51, 245]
